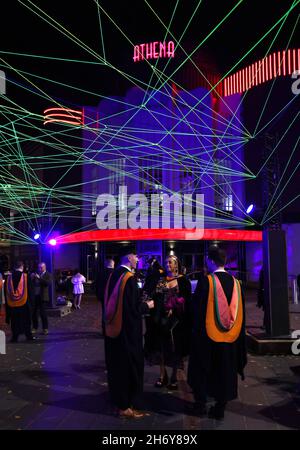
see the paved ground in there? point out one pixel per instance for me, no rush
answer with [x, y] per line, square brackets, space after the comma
[59, 383]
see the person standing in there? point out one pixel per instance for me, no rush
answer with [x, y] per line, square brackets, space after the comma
[78, 289]
[18, 304]
[166, 339]
[1, 291]
[124, 336]
[218, 346]
[101, 281]
[41, 281]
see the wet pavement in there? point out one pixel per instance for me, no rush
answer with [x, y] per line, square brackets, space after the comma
[59, 383]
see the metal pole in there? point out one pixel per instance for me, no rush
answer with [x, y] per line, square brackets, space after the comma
[52, 294]
[295, 292]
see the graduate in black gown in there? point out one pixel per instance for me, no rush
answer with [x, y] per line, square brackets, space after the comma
[18, 308]
[166, 339]
[218, 346]
[124, 336]
[101, 279]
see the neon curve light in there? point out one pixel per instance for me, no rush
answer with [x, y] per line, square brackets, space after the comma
[63, 115]
[281, 63]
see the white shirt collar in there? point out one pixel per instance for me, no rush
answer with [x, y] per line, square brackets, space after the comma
[126, 267]
[220, 270]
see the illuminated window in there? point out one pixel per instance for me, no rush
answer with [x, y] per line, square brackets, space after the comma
[228, 203]
[116, 175]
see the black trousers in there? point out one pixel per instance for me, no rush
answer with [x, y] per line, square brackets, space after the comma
[39, 308]
[20, 322]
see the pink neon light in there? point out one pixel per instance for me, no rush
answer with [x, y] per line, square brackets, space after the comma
[161, 234]
[63, 109]
[63, 115]
[155, 53]
[294, 60]
[149, 54]
[262, 73]
[153, 50]
[259, 72]
[279, 63]
[162, 49]
[62, 121]
[267, 70]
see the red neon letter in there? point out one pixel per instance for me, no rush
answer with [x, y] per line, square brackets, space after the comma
[136, 53]
[162, 49]
[149, 50]
[155, 53]
[171, 49]
[289, 62]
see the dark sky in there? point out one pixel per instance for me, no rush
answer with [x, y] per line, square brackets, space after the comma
[23, 31]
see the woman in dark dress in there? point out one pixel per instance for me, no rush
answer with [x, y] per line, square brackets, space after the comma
[167, 327]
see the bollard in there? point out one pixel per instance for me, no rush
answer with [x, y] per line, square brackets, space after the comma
[295, 292]
[2, 343]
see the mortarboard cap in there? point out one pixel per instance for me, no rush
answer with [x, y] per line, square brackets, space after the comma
[127, 250]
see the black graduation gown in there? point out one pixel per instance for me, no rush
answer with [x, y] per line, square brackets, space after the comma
[214, 366]
[19, 317]
[159, 338]
[124, 354]
[101, 280]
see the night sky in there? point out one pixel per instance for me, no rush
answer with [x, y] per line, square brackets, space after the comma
[22, 31]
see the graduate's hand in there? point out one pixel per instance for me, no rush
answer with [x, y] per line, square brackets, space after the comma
[150, 304]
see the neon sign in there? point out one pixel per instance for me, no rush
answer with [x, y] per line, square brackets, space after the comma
[153, 50]
[161, 234]
[63, 115]
[281, 63]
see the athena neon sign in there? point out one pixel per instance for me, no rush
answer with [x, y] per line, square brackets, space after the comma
[153, 50]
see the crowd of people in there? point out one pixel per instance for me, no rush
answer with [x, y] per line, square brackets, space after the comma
[27, 298]
[206, 328]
